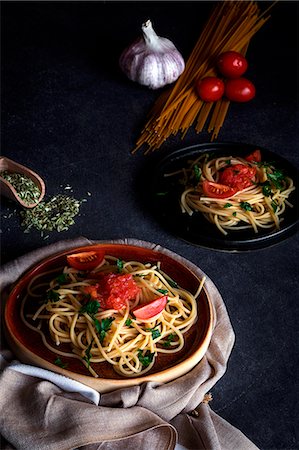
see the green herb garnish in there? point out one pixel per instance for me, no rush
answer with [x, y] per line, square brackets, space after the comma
[146, 358]
[197, 173]
[235, 214]
[266, 188]
[246, 206]
[128, 322]
[170, 338]
[274, 205]
[103, 326]
[88, 354]
[52, 296]
[276, 178]
[120, 265]
[62, 278]
[57, 214]
[91, 308]
[227, 205]
[163, 291]
[59, 363]
[155, 332]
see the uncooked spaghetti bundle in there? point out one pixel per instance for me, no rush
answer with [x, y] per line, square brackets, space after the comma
[230, 27]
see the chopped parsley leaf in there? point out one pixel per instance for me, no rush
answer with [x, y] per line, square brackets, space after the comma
[155, 332]
[170, 338]
[146, 358]
[52, 296]
[59, 363]
[88, 354]
[120, 265]
[103, 326]
[62, 278]
[235, 214]
[128, 322]
[163, 291]
[197, 173]
[172, 283]
[276, 178]
[246, 206]
[227, 205]
[274, 205]
[266, 188]
[90, 308]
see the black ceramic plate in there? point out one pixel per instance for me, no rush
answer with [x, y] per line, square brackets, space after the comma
[164, 193]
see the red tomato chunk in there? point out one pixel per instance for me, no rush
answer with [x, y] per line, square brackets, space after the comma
[113, 290]
[238, 176]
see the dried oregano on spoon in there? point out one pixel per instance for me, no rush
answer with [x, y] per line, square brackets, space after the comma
[26, 188]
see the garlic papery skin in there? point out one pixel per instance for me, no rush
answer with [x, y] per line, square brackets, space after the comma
[152, 61]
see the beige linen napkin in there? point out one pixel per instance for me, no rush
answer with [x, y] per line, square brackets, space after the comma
[37, 414]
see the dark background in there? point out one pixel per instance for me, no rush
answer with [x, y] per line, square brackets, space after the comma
[70, 114]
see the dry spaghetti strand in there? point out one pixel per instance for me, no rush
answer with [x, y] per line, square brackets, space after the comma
[231, 26]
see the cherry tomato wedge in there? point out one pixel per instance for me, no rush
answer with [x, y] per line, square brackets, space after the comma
[238, 176]
[216, 190]
[239, 90]
[85, 260]
[151, 309]
[255, 156]
[210, 89]
[231, 64]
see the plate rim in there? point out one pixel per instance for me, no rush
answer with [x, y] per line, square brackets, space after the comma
[100, 383]
[257, 242]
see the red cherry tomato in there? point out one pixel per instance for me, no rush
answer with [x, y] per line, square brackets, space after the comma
[231, 64]
[113, 290]
[216, 190]
[239, 90]
[255, 156]
[210, 89]
[85, 260]
[151, 309]
[238, 176]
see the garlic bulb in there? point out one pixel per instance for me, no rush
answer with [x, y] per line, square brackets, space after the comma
[152, 60]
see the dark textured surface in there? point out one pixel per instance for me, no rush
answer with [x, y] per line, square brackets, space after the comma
[71, 115]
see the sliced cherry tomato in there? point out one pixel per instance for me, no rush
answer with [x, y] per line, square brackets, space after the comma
[210, 89]
[238, 176]
[151, 309]
[239, 90]
[216, 190]
[85, 260]
[231, 64]
[255, 156]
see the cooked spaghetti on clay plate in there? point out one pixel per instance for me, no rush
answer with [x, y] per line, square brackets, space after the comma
[106, 309]
[235, 193]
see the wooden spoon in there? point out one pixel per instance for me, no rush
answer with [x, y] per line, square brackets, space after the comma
[9, 191]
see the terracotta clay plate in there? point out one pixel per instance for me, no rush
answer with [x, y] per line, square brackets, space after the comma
[163, 193]
[29, 348]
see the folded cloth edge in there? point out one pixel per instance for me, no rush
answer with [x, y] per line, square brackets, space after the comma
[61, 381]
